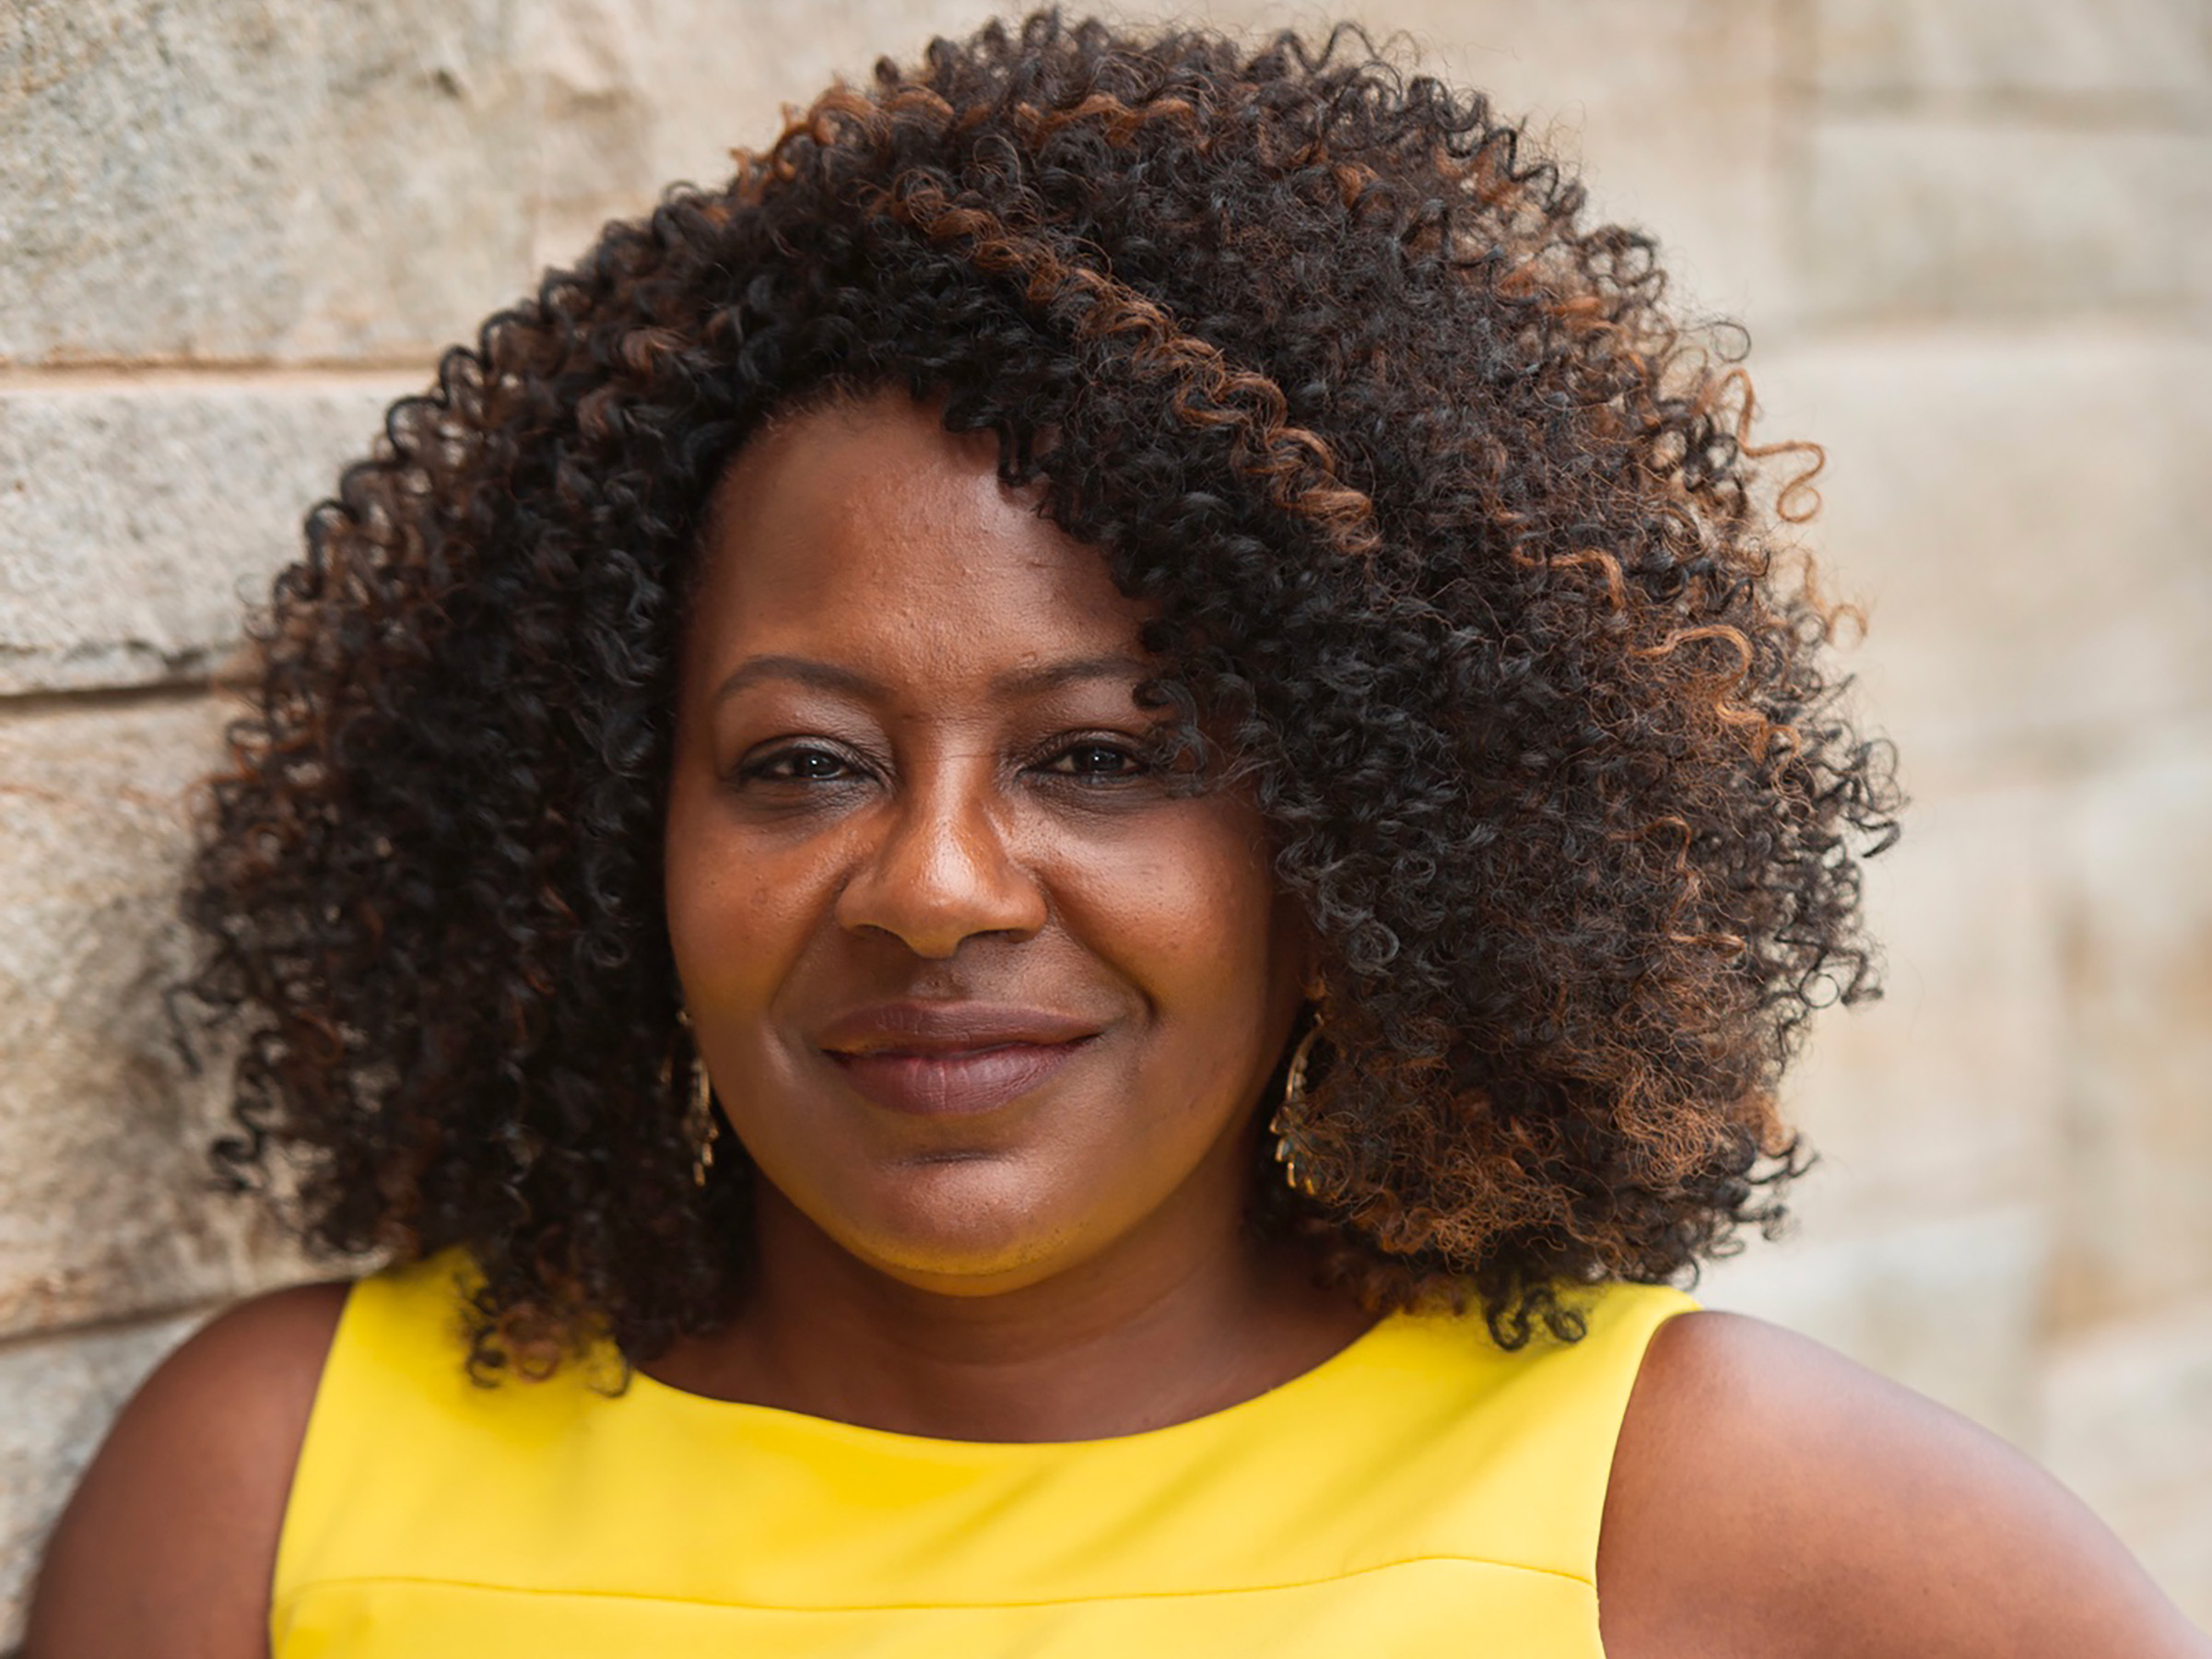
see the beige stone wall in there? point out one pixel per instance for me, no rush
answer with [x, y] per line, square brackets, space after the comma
[1973, 241]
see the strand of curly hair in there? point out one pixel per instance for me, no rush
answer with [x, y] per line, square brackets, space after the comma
[1455, 544]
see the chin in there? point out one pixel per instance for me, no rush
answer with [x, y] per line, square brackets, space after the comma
[969, 1227]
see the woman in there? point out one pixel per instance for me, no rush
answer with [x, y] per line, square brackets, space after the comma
[1038, 871]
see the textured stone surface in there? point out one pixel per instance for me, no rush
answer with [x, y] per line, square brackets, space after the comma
[1883, 48]
[1906, 216]
[289, 178]
[2127, 1423]
[108, 1204]
[2027, 525]
[137, 522]
[598, 114]
[2137, 892]
[60, 1394]
[711, 79]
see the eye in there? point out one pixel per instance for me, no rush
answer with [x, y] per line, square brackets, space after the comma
[801, 765]
[1095, 760]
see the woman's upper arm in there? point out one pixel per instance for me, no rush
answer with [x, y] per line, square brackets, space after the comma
[167, 1548]
[1770, 1497]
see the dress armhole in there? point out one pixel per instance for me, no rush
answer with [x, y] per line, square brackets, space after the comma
[1625, 1322]
[399, 1334]
[309, 1502]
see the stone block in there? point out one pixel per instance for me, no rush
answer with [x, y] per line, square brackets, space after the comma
[2127, 1416]
[107, 1203]
[1950, 1306]
[1948, 1093]
[62, 1393]
[2131, 49]
[297, 179]
[705, 101]
[597, 116]
[2138, 904]
[138, 522]
[2024, 519]
[1904, 217]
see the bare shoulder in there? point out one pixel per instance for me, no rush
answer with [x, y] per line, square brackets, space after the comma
[1770, 1497]
[168, 1548]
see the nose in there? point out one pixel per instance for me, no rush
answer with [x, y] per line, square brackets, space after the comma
[939, 871]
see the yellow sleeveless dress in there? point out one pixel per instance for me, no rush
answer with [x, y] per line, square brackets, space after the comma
[1421, 1493]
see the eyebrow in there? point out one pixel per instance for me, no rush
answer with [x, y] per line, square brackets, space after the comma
[833, 677]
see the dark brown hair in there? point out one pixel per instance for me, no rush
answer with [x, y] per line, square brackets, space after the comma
[1457, 544]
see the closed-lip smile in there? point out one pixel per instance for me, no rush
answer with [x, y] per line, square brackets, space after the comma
[946, 1059]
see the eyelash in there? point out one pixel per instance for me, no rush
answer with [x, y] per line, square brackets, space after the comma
[767, 769]
[1135, 764]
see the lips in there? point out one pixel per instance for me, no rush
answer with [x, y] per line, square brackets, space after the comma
[951, 1059]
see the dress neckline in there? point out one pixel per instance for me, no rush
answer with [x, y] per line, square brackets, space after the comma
[795, 1427]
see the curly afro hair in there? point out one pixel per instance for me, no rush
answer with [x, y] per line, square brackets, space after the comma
[1459, 550]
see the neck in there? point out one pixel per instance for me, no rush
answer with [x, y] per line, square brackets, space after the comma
[1159, 1330]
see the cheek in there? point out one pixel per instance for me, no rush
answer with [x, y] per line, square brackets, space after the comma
[738, 912]
[1189, 913]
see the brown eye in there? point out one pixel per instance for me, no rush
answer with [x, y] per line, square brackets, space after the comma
[800, 765]
[1095, 761]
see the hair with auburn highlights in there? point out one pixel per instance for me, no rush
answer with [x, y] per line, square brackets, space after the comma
[1459, 553]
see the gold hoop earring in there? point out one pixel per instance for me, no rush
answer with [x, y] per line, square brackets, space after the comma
[1289, 1123]
[699, 1127]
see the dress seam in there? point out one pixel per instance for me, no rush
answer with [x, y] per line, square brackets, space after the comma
[292, 1595]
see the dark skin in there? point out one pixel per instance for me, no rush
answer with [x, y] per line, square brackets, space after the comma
[892, 801]
[910, 773]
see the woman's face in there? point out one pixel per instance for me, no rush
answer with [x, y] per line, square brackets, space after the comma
[983, 998]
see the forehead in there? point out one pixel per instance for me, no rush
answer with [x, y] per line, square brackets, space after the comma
[864, 532]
